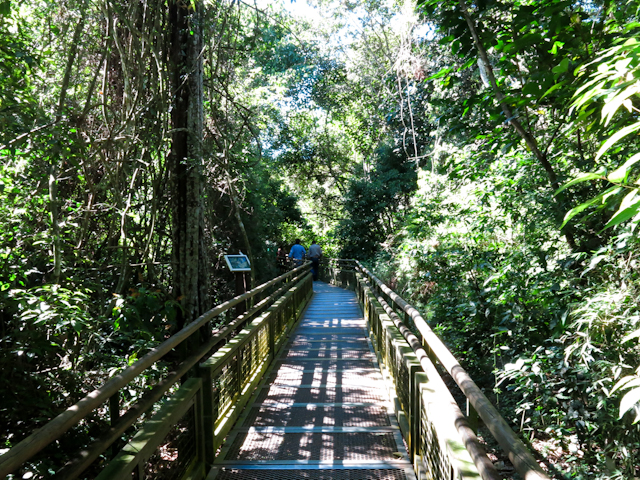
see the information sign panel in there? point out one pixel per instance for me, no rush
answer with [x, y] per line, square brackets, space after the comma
[238, 263]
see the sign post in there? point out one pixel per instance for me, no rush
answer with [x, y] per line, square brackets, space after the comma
[239, 264]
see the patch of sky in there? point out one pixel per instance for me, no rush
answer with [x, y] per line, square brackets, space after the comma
[349, 19]
[426, 31]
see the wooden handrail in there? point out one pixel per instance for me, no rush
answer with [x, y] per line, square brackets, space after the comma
[73, 469]
[474, 447]
[518, 453]
[55, 428]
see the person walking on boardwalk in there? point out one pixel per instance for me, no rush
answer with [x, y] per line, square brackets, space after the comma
[297, 254]
[315, 254]
[281, 259]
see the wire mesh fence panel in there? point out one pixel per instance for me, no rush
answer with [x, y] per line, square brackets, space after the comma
[262, 345]
[226, 385]
[172, 458]
[403, 383]
[246, 359]
[436, 463]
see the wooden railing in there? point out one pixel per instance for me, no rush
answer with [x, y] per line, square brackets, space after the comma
[207, 391]
[441, 439]
[204, 394]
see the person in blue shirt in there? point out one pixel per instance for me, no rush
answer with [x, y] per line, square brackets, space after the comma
[297, 253]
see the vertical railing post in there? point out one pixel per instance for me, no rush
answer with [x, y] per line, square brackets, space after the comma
[114, 415]
[430, 354]
[208, 420]
[377, 311]
[198, 420]
[472, 417]
[238, 372]
[114, 407]
[273, 321]
[421, 378]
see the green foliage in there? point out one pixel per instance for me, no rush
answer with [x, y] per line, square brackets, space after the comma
[143, 318]
[374, 202]
[18, 65]
[480, 261]
[302, 138]
[579, 373]
[613, 85]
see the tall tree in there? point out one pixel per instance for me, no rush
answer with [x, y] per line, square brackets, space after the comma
[190, 278]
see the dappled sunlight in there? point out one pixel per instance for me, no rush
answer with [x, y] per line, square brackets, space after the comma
[325, 381]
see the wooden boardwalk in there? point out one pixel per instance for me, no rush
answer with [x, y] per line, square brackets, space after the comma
[322, 411]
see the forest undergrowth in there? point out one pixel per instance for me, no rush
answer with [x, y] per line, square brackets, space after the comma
[547, 333]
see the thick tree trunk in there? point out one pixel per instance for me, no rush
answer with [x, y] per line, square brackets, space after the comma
[185, 161]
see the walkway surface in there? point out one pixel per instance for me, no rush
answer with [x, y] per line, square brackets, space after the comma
[322, 411]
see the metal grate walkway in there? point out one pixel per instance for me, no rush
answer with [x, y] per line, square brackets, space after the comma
[322, 412]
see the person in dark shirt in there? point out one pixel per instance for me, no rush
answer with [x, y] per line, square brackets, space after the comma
[315, 254]
[281, 259]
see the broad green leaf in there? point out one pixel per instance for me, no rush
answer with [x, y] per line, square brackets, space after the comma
[585, 87]
[576, 210]
[562, 67]
[583, 206]
[583, 177]
[620, 174]
[628, 208]
[597, 88]
[554, 88]
[631, 398]
[622, 66]
[556, 46]
[610, 193]
[615, 137]
[468, 63]
[441, 73]
[612, 106]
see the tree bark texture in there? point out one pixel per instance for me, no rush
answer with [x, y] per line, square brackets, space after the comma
[190, 277]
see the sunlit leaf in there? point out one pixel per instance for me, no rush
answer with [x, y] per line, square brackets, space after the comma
[440, 74]
[583, 177]
[631, 398]
[626, 382]
[556, 46]
[612, 106]
[628, 208]
[620, 174]
[583, 206]
[617, 136]
[631, 336]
